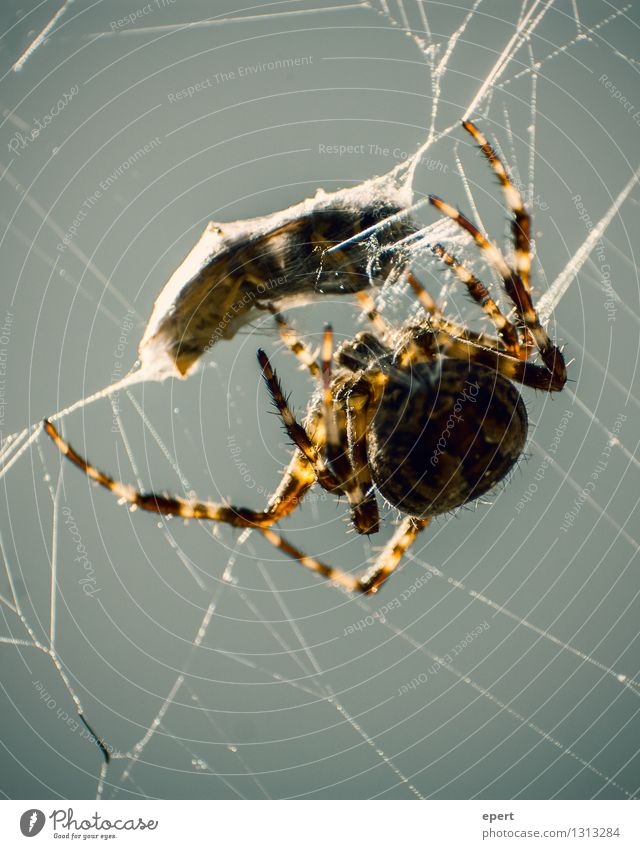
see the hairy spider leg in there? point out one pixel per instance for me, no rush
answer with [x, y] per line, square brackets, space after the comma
[356, 405]
[334, 449]
[391, 555]
[521, 371]
[438, 320]
[298, 478]
[428, 303]
[515, 289]
[370, 582]
[480, 294]
[342, 578]
[367, 304]
[310, 448]
[296, 345]
[521, 226]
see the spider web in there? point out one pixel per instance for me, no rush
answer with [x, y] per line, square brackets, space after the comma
[143, 658]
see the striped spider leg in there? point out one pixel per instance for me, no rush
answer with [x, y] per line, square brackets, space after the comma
[515, 280]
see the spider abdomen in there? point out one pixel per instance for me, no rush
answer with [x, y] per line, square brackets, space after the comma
[444, 433]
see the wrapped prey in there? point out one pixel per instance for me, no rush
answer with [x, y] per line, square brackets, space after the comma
[334, 243]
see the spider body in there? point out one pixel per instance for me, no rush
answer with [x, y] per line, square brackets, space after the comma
[440, 432]
[444, 434]
[428, 415]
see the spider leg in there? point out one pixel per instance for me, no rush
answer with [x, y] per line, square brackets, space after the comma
[529, 374]
[347, 457]
[366, 514]
[369, 583]
[295, 344]
[428, 303]
[480, 294]
[389, 558]
[521, 227]
[305, 444]
[517, 292]
[369, 308]
[334, 452]
[298, 478]
[296, 481]
[342, 578]
[438, 320]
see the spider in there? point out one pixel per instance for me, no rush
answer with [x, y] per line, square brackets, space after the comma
[428, 414]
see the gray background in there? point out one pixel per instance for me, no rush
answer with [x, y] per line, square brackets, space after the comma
[283, 697]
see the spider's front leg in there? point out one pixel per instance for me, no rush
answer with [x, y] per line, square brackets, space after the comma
[553, 376]
[437, 320]
[311, 448]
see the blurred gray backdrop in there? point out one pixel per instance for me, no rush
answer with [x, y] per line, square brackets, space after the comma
[500, 660]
